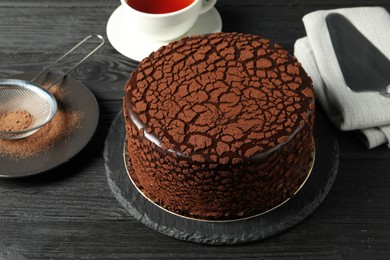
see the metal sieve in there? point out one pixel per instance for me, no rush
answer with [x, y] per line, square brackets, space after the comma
[36, 100]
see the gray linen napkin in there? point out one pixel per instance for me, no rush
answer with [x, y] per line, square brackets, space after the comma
[366, 112]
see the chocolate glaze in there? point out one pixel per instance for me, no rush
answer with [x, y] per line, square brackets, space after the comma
[219, 126]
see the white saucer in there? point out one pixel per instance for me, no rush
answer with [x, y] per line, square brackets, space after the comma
[127, 41]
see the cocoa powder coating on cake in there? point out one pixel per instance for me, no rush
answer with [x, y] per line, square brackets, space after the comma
[219, 126]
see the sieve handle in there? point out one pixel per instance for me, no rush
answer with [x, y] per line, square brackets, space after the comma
[66, 54]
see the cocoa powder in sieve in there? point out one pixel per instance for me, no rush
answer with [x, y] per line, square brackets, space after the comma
[66, 120]
[17, 120]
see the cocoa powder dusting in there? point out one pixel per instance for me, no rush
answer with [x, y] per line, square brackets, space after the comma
[59, 128]
[207, 95]
[17, 120]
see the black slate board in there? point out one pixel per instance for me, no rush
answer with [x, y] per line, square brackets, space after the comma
[257, 228]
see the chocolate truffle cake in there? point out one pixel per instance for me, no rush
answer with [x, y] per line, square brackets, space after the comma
[219, 126]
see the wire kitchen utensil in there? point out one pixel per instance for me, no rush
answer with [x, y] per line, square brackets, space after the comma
[28, 96]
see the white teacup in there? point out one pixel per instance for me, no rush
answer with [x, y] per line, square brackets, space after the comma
[165, 26]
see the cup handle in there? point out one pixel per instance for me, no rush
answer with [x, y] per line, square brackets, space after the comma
[207, 5]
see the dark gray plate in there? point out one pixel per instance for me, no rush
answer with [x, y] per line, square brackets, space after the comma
[81, 99]
[246, 230]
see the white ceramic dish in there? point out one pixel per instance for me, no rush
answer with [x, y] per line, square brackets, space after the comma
[129, 43]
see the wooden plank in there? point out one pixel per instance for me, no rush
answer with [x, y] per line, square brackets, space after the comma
[69, 212]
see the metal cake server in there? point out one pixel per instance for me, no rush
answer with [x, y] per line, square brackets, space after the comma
[364, 67]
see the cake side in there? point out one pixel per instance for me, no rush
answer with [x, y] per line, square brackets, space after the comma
[212, 191]
[219, 126]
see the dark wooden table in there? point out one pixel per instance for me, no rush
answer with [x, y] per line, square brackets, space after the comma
[70, 212]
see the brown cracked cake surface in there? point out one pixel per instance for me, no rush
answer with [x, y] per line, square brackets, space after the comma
[219, 126]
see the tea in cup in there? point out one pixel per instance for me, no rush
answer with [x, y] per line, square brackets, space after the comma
[164, 20]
